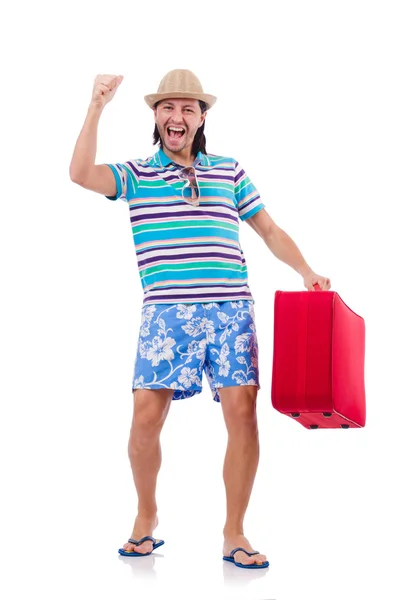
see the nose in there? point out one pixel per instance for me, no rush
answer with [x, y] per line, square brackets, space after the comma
[177, 115]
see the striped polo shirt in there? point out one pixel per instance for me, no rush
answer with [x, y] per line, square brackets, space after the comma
[188, 254]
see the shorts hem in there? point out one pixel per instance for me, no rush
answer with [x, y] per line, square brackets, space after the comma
[214, 390]
[178, 394]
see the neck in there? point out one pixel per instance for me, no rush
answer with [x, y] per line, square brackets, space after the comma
[184, 157]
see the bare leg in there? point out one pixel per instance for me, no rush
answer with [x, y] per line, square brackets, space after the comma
[150, 411]
[241, 463]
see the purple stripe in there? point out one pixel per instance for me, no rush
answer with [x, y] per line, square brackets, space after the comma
[222, 177]
[187, 246]
[173, 297]
[161, 172]
[145, 174]
[177, 257]
[230, 169]
[248, 203]
[137, 173]
[201, 177]
[162, 204]
[186, 213]
[204, 285]
[239, 176]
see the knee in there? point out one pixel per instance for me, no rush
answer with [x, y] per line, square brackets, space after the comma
[240, 412]
[148, 418]
[146, 426]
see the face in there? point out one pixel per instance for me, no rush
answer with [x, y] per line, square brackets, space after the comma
[181, 114]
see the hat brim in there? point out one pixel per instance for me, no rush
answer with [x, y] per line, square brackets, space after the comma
[151, 99]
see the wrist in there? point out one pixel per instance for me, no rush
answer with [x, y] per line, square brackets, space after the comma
[95, 108]
[304, 270]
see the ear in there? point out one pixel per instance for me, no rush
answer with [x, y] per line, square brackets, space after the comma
[203, 116]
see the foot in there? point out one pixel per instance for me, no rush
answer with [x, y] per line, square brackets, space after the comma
[143, 526]
[240, 541]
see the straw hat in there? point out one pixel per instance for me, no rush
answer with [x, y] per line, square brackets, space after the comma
[180, 83]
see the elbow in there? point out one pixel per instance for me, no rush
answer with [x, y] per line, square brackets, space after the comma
[75, 177]
[264, 225]
[72, 175]
[273, 230]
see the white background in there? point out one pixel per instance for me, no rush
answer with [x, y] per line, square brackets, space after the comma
[307, 104]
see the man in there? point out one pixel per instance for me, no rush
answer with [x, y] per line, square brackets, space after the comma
[198, 311]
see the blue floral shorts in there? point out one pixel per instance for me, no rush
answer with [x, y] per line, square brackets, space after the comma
[178, 341]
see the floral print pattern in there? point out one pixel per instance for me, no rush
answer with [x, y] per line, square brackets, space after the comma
[178, 342]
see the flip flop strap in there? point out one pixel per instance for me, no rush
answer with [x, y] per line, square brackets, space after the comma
[233, 552]
[139, 542]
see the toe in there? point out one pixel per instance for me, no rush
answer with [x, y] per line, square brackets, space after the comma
[260, 559]
[144, 548]
[243, 558]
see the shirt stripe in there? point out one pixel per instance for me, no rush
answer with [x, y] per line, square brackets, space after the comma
[188, 254]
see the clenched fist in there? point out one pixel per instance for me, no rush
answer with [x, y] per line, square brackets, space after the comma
[105, 87]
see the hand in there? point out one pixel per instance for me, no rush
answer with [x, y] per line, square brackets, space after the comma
[311, 278]
[105, 87]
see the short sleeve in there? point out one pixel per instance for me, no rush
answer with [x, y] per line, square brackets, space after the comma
[247, 196]
[127, 180]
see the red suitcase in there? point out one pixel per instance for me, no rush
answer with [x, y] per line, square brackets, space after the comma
[318, 360]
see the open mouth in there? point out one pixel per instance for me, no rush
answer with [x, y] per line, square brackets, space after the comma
[176, 133]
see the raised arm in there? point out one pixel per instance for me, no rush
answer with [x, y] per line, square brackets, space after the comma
[83, 170]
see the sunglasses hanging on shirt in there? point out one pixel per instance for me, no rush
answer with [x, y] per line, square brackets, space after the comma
[191, 190]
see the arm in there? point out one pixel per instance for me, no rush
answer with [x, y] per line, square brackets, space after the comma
[83, 158]
[83, 170]
[285, 249]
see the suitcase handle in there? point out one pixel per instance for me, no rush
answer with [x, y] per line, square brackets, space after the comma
[317, 287]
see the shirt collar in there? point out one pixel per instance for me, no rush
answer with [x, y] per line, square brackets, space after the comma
[160, 159]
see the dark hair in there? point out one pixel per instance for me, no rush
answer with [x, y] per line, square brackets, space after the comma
[199, 142]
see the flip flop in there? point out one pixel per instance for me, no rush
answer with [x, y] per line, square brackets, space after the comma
[156, 544]
[253, 566]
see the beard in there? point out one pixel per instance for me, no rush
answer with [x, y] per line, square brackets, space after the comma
[160, 134]
[173, 149]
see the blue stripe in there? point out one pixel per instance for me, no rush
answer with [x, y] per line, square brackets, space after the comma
[212, 273]
[185, 232]
[118, 183]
